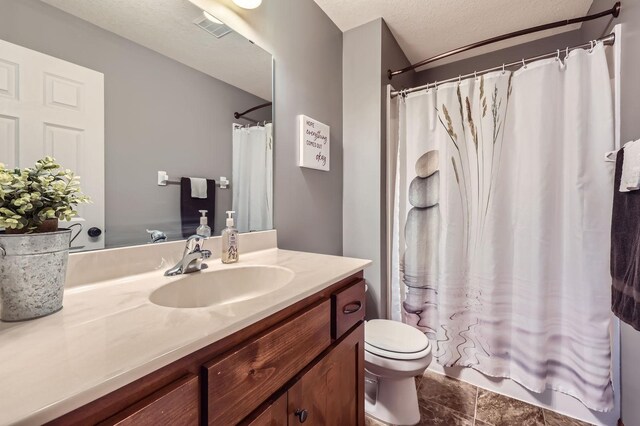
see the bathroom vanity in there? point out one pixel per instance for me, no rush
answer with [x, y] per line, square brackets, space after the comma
[286, 352]
[303, 363]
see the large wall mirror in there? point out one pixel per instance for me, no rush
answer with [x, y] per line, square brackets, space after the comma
[120, 90]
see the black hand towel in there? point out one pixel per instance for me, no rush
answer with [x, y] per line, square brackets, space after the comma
[189, 207]
[625, 251]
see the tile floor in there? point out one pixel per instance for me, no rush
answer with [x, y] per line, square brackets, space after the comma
[449, 402]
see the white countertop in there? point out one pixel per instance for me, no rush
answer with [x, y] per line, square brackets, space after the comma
[109, 334]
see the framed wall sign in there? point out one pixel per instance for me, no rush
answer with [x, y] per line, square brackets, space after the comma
[313, 143]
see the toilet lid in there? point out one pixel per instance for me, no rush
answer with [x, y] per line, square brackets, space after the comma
[396, 340]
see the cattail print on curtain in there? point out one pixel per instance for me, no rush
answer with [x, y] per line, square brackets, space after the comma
[502, 216]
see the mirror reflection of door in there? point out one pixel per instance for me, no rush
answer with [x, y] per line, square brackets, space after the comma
[52, 107]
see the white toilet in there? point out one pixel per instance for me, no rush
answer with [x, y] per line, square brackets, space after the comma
[394, 354]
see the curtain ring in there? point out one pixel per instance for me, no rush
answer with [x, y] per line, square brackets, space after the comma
[503, 71]
[435, 85]
[524, 64]
[558, 55]
[475, 75]
[593, 44]
[566, 53]
[459, 78]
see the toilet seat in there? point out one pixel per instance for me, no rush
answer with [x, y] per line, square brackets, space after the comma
[395, 340]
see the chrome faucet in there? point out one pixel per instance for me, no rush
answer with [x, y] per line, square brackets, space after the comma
[192, 257]
[157, 236]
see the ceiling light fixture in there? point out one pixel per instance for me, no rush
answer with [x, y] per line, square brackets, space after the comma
[212, 18]
[248, 4]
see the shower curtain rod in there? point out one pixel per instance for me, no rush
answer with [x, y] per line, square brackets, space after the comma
[608, 40]
[614, 11]
[240, 114]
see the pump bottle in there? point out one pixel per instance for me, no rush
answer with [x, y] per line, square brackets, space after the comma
[230, 241]
[203, 230]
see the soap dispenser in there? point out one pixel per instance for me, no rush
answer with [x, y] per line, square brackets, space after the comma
[229, 241]
[203, 230]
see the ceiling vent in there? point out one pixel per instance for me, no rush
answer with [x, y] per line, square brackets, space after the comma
[218, 30]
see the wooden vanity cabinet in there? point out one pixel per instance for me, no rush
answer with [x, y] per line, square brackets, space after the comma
[259, 368]
[304, 364]
[331, 392]
[328, 392]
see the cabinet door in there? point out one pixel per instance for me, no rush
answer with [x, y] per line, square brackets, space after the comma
[240, 381]
[275, 414]
[332, 392]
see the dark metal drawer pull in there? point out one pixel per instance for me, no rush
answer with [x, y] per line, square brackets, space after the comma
[352, 308]
[301, 415]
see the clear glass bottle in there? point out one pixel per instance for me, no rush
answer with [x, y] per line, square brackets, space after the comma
[230, 241]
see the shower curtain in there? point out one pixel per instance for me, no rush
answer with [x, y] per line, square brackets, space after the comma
[502, 207]
[252, 179]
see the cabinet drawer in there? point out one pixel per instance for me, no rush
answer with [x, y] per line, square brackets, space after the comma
[347, 308]
[243, 379]
[175, 404]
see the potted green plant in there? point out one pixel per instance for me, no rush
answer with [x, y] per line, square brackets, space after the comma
[33, 250]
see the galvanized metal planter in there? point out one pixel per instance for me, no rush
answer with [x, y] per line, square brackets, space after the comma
[32, 274]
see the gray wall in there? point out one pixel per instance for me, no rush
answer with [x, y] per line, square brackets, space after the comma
[307, 50]
[362, 153]
[630, 130]
[159, 115]
[493, 59]
[368, 51]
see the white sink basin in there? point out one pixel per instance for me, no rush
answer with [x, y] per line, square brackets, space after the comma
[222, 286]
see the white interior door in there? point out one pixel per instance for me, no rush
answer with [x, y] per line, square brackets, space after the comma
[52, 107]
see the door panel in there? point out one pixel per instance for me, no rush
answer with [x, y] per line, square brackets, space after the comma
[274, 415]
[9, 140]
[332, 391]
[52, 107]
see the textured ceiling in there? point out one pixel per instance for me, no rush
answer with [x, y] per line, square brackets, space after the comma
[425, 28]
[166, 26]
